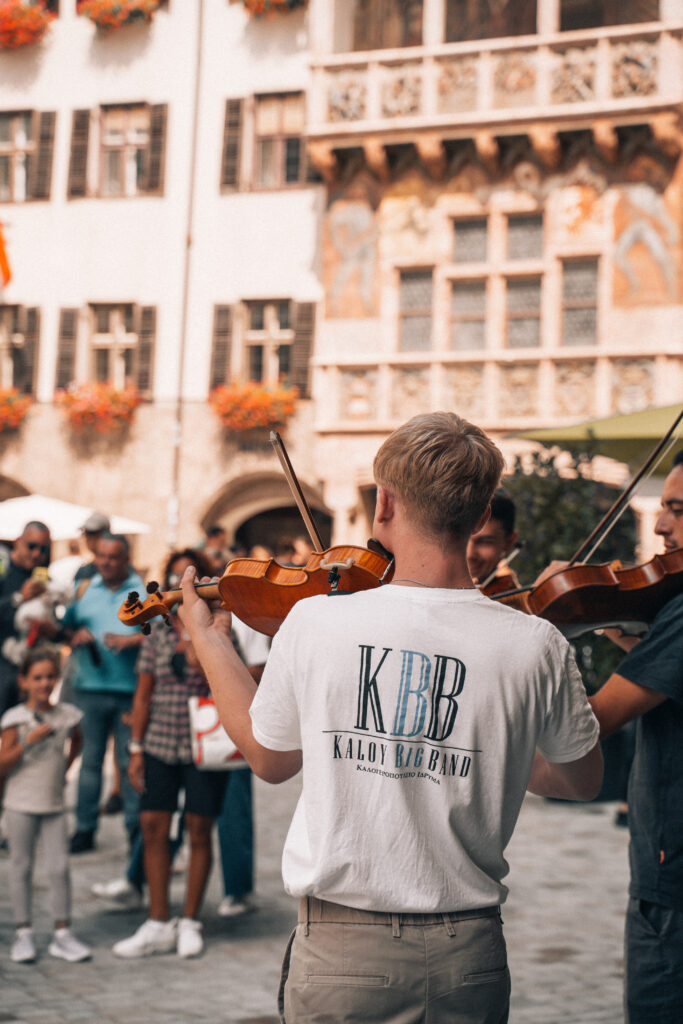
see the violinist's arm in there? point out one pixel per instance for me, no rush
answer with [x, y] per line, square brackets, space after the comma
[232, 685]
[620, 701]
[573, 780]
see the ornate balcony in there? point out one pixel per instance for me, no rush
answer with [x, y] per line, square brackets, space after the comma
[539, 85]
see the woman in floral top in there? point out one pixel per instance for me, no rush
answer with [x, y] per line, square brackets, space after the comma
[160, 766]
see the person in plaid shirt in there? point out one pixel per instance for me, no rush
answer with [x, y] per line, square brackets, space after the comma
[160, 766]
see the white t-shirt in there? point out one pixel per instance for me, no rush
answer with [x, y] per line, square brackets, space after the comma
[418, 712]
[36, 784]
[255, 646]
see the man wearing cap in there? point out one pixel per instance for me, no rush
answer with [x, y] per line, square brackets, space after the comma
[104, 683]
[29, 551]
[95, 525]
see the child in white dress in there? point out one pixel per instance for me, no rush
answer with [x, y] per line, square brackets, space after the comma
[34, 762]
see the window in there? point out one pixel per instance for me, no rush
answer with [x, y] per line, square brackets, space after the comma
[525, 237]
[19, 329]
[468, 315]
[579, 302]
[523, 312]
[26, 144]
[578, 14]
[121, 344]
[129, 159]
[384, 24]
[279, 125]
[489, 19]
[268, 341]
[415, 298]
[125, 140]
[470, 241]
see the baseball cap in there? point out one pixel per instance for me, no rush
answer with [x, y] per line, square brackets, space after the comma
[96, 523]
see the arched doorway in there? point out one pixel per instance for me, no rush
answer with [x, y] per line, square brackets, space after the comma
[258, 509]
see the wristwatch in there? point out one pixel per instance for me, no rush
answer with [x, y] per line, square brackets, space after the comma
[135, 747]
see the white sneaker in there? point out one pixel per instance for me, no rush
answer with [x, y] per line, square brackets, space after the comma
[23, 948]
[190, 941]
[231, 906]
[66, 946]
[151, 937]
[120, 892]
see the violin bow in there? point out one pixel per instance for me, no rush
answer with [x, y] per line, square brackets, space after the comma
[503, 564]
[618, 507]
[295, 487]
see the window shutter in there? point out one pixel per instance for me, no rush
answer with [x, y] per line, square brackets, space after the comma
[146, 343]
[78, 162]
[66, 347]
[232, 139]
[28, 361]
[304, 321]
[41, 167]
[157, 146]
[222, 345]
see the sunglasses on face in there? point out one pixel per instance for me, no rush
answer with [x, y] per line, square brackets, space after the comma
[33, 546]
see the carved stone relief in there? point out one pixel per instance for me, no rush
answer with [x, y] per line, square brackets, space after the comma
[634, 68]
[358, 395]
[409, 392]
[574, 76]
[632, 385]
[518, 389]
[575, 389]
[402, 94]
[458, 85]
[463, 389]
[346, 99]
[514, 81]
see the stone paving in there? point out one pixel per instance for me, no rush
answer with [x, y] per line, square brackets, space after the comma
[563, 923]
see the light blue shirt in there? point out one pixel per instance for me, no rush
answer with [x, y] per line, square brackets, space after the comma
[97, 610]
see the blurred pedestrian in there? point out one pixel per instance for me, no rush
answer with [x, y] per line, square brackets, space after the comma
[33, 759]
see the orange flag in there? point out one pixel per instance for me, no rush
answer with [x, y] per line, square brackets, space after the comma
[5, 272]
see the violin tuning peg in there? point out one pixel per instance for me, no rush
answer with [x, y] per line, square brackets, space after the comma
[152, 587]
[167, 620]
[146, 629]
[133, 597]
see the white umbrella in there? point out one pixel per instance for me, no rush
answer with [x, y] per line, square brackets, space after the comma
[63, 518]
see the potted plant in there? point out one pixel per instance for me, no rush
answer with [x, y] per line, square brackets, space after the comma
[98, 407]
[108, 14]
[13, 407]
[251, 410]
[259, 7]
[22, 22]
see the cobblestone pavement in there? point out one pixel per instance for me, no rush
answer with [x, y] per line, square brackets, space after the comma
[563, 922]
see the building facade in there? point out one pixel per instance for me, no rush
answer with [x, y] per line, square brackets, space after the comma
[396, 205]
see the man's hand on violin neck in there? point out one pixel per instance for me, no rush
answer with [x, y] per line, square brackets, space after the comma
[197, 614]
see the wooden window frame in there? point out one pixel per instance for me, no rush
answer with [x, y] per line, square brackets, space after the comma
[524, 314]
[19, 344]
[420, 311]
[455, 319]
[18, 153]
[280, 139]
[270, 338]
[140, 349]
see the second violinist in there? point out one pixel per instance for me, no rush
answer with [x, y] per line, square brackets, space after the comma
[488, 548]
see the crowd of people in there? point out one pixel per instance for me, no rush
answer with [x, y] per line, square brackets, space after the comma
[432, 712]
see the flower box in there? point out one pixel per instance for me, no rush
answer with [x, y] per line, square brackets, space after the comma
[257, 8]
[13, 407]
[98, 407]
[108, 14]
[252, 407]
[22, 23]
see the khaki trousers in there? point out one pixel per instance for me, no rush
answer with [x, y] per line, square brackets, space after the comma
[347, 966]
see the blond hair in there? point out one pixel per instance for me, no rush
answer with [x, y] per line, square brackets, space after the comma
[443, 470]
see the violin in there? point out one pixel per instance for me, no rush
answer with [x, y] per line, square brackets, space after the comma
[261, 592]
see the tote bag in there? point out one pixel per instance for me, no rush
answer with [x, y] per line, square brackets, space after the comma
[212, 748]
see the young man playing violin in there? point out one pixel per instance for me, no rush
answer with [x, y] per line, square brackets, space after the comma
[420, 711]
[487, 548]
[649, 687]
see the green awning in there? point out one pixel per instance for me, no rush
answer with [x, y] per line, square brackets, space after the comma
[629, 438]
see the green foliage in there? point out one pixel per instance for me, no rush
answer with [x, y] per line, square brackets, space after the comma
[555, 514]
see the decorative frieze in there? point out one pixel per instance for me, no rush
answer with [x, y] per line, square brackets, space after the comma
[514, 81]
[575, 389]
[358, 395]
[518, 390]
[633, 385]
[402, 94]
[409, 392]
[463, 390]
[457, 85]
[346, 99]
[634, 68]
[574, 76]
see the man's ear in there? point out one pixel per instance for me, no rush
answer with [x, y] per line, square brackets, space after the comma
[385, 506]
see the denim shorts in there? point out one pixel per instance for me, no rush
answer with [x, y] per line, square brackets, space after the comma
[363, 967]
